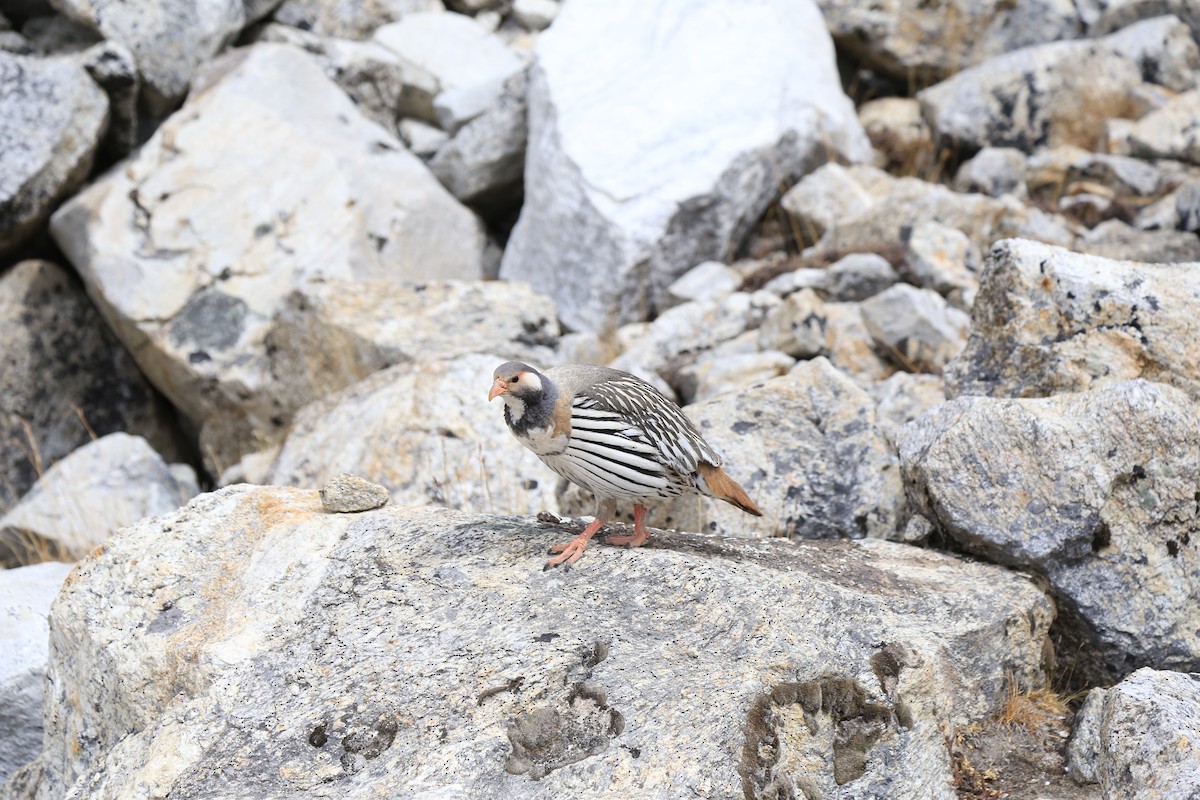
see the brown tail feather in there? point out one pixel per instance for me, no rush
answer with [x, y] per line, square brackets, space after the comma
[726, 488]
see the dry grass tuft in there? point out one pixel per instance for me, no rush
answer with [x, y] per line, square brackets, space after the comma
[1031, 709]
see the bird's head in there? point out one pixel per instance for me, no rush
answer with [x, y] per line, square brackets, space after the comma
[517, 384]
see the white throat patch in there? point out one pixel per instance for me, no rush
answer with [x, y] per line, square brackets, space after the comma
[516, 406]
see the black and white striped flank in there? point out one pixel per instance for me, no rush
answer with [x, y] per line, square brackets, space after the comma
[672, 434]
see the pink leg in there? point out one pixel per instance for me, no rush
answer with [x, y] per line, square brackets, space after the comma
[572, 550]
[640, 534]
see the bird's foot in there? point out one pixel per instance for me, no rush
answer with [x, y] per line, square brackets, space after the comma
[639, 535]
[635, 539]
[569, 552]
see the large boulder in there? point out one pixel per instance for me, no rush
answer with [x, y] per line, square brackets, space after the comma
[25, 597]
[170, 39]
[193, 266]
[658, 134]
[424, 652]
[1061, 92]
[1095, 490]
[1047, 320]
[1167, 132]
[1140, 740]
[85, 498]
[52, 115]
[64, 378]
[425, 431]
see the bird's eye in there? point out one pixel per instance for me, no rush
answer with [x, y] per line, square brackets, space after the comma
[515, 379]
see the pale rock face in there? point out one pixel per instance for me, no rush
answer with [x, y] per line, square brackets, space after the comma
[1140, 739]
[424, 650]
[658, 135]
[169, 39]
[192, 263]
[51, 118]
[1047, 320]
[426, 432]
[1168, 132]
[1096, 490]
[469, 65]
[96, 490]
[25, 597]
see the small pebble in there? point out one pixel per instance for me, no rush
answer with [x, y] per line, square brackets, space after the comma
[349, 493]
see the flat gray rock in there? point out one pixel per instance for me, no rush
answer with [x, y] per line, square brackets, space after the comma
[1096, 491]
[424, 652]
[425, 431]
[1061, 92]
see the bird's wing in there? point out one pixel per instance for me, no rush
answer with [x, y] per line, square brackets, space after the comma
[629, 407]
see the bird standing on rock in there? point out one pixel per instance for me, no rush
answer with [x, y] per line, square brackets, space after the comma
[616, 436]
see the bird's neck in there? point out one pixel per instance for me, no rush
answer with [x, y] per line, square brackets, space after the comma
[524, 417]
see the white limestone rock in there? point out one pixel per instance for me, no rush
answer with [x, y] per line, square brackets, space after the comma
[658, 135]
[193, 264]
[86, 497]
[25, 597]
[468, 64]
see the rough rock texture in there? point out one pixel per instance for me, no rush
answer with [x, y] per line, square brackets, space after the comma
[945, 260]
[426, 432]
[25, 597]
[170, 39]
[113, 68]
[1047, 320]
[192, 265]
[900, 133]
[712, 281]
[806, 448]
[1095, 490]
[348, 19]
[63, 377]
[423, 652]
[885, 209]
[83, 499]
[1140, 740]
[915, 39]
[484, 164]
[658, 134]
[914, 327]
[1114, 239]
[52, 115]
[1062, 92]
